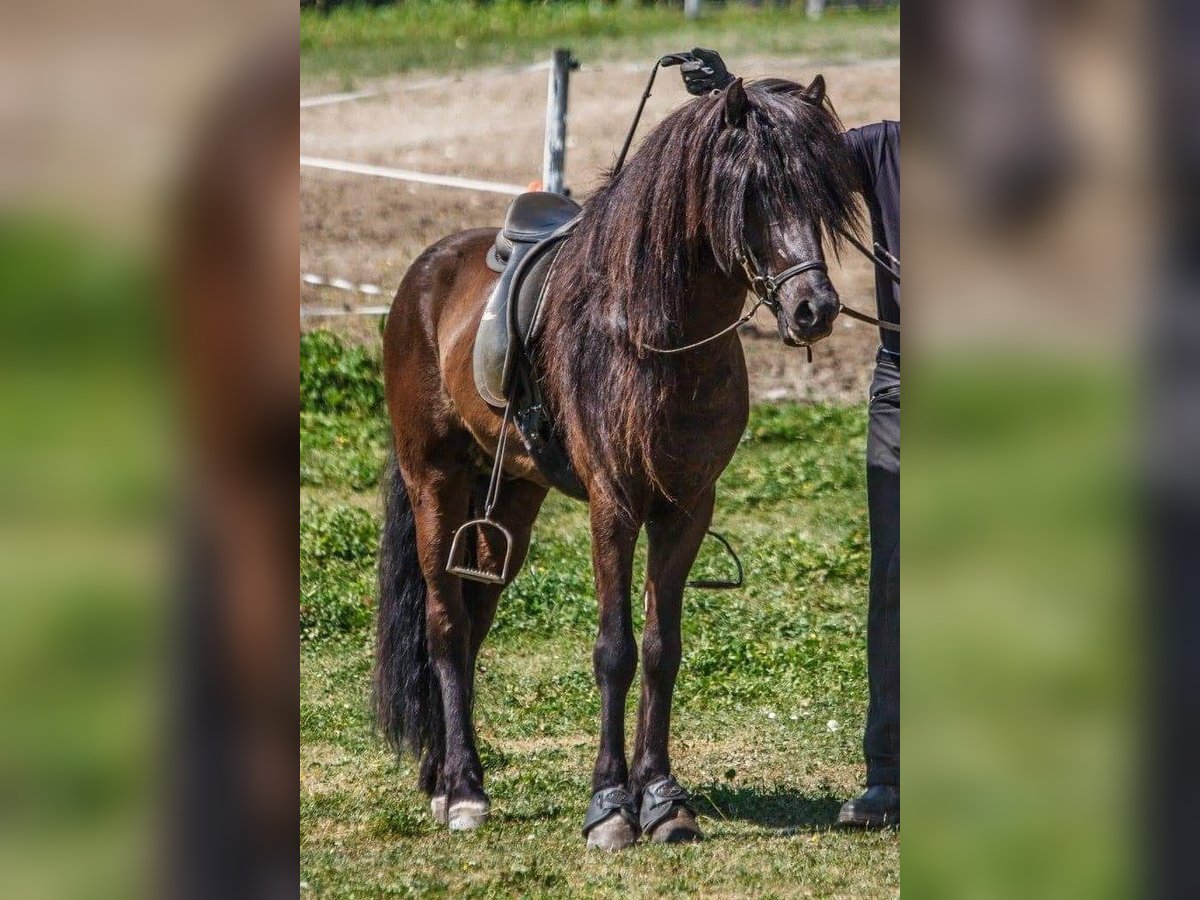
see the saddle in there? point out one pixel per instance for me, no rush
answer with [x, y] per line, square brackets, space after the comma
[535, 226]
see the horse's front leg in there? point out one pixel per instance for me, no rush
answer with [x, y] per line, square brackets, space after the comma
[611, 818]
[675, 536]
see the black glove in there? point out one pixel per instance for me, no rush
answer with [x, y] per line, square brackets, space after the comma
[705, 72]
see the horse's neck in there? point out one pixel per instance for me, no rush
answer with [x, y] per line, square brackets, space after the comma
[714, 302]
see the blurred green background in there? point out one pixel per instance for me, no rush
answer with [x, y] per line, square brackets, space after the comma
[1022, 648]
[83, 555]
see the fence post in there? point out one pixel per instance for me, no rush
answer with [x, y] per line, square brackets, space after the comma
[814, 9]
[691, 9]
[555, 152]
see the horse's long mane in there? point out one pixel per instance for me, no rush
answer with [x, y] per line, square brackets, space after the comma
[677, 210]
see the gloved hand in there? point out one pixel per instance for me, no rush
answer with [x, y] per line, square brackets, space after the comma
[705, 72]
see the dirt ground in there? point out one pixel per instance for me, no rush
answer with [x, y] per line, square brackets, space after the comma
[489, 126]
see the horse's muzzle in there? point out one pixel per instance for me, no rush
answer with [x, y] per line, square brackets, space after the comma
[795, 334]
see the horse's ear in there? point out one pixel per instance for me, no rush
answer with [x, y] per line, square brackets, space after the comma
[735, 104]
[815, 92]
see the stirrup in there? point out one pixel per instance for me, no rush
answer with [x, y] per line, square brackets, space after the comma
[457, 564]
[721, 584]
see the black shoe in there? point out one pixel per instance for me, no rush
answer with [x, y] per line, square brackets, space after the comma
[879, 807]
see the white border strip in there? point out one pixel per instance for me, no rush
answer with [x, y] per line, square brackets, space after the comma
[453, 181]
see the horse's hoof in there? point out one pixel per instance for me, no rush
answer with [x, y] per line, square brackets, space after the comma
[613, 834]
[678, 828]
[437, 806]
[467, 815]
[666, 814]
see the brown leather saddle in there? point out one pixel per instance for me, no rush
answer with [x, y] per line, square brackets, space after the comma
[535, 226]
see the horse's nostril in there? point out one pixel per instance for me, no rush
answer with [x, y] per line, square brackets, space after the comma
[806, 314]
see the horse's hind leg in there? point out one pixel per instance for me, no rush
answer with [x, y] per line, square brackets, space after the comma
[518, 507]
[440, 507]
[674, 537]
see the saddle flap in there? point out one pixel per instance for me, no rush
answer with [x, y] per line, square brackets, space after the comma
[490, 355]
[512, 316]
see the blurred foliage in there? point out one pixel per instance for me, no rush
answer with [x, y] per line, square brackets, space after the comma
[338, 379]
[337, 569]
[336, 532]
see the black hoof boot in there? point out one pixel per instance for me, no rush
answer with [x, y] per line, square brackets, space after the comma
[667, 815]
[611, 820]
[879, 807]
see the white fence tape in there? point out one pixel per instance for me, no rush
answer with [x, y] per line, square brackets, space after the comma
[342, 284]
[307, 312]
[353, 168]
[470, 184]
[326, 99]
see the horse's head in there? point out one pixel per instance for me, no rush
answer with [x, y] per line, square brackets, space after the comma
[782, 160]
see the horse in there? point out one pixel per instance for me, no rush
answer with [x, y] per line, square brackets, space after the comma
[726, 189]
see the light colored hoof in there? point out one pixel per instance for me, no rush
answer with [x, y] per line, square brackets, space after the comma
[467, 815]
[437, 806]
[613, 834]
[679, 828]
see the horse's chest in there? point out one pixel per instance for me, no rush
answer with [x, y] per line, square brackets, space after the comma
[706, 424]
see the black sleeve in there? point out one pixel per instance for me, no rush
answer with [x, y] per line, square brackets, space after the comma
[863, 145]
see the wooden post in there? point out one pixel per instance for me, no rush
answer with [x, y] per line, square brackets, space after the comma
[814, 9]
[555, 152]
[691, 9]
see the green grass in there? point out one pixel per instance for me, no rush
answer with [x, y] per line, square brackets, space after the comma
[766, 671]
[439, 35]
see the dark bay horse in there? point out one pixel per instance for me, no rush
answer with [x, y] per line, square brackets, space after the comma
[742, 182]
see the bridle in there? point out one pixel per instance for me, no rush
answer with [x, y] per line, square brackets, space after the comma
[766, 286]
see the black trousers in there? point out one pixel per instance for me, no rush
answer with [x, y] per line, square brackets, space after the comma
[881, 741]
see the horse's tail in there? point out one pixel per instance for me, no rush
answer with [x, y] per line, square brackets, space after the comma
[407, 699]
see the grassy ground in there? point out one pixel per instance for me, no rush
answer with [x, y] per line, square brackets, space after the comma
[769, 707]
[360, 42]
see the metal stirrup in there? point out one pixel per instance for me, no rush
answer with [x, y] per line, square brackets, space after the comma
[457, 564]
